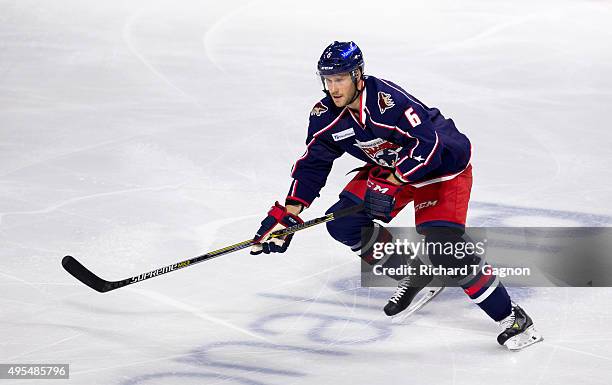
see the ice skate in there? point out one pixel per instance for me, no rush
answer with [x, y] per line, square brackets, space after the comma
[518, 330]
[407, 290]
[419, 302]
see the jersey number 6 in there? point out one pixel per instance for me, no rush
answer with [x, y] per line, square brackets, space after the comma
[412, 117]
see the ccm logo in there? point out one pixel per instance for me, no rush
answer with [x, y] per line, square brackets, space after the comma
[425, 205]
[376, 187]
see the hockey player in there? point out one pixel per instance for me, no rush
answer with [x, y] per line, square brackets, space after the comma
[412, 154]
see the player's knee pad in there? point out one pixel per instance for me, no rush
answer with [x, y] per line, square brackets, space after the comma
[347, 230]
[362, 240]
[372, 248]
[342, 232]
[370, 243]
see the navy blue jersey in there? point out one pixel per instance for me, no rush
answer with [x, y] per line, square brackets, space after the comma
[392, 129]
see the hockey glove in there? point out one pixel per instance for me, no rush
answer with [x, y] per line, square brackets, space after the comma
[380, 195]
[278, 218]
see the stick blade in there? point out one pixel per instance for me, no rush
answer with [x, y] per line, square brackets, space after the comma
[80, 272]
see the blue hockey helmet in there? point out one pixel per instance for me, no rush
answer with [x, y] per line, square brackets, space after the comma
[340, 57]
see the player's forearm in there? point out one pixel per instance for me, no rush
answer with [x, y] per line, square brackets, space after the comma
[294, 208]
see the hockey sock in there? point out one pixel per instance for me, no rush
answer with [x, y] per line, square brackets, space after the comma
[490, 295]
[486, 291]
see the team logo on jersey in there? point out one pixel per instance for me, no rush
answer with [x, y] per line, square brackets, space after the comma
[318, 110]
[384, 102]
[380, 151]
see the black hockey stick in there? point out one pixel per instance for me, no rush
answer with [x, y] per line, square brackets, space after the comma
[80, 272]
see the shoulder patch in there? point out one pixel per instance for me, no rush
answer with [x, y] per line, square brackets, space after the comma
[385, 102]
[319, 109]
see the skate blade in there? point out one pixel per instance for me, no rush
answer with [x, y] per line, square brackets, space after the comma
[429, 293]
[529, 337]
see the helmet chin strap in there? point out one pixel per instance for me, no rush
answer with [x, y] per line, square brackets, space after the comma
[357, 91]
[355, 95]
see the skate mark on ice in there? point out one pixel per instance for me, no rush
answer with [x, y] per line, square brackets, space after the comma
[127, 38]
[293, 298]
[194, 311]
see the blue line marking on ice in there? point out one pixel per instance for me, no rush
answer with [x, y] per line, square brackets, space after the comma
[202, 356]
[504, 212]
[185, 375]
[326, 322]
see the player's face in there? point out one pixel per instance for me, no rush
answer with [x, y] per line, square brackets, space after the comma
[341, 88]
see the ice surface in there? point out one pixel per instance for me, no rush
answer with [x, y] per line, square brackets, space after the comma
[134, 134]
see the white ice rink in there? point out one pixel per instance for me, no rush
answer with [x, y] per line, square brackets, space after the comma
[134, 134]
